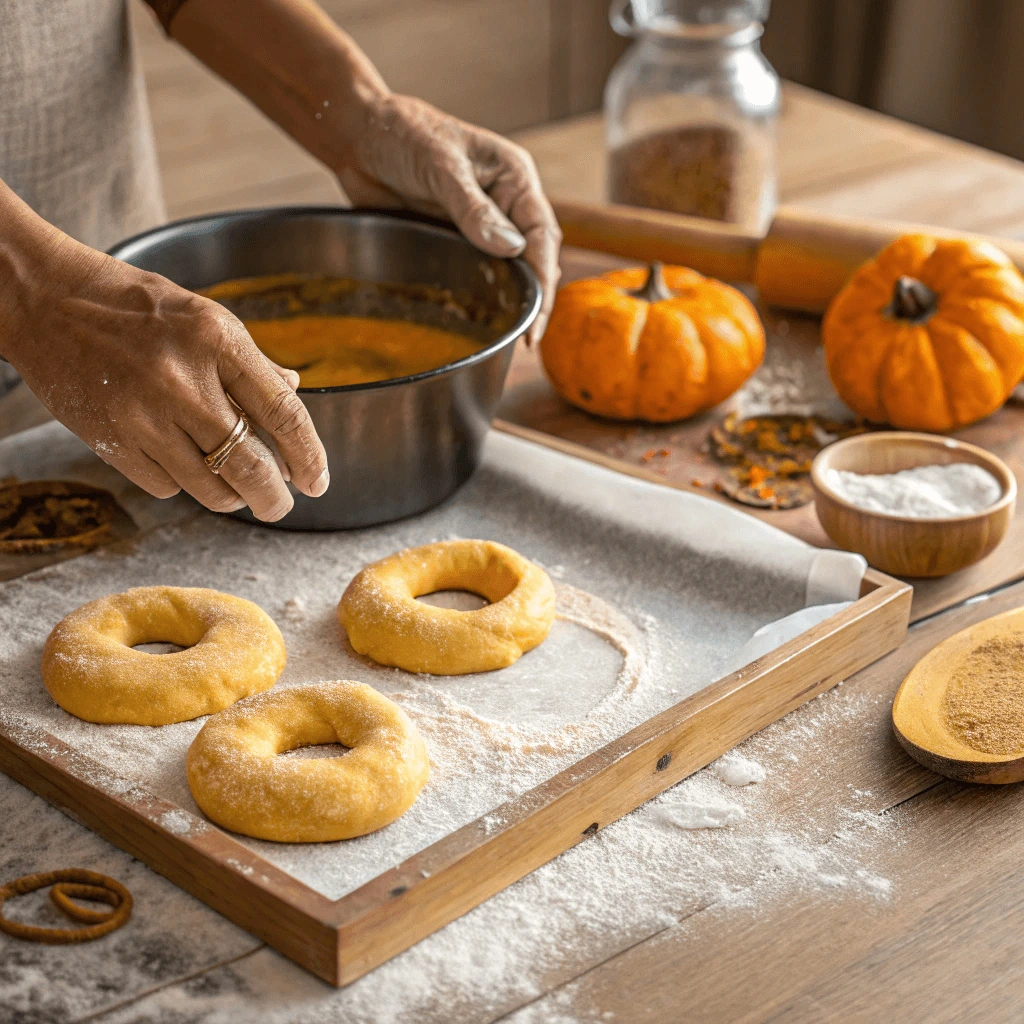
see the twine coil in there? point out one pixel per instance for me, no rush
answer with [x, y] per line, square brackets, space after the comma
[69, 884]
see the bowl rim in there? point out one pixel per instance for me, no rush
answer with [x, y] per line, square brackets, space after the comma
[1002, 473]
[531, 285]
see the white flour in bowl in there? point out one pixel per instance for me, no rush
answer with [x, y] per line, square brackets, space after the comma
[925, 492]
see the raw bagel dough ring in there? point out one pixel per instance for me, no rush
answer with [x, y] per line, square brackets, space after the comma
[384, 620]
[91, 670]
[240, 783]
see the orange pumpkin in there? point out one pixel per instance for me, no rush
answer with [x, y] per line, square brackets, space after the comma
[929, 335]
[654, 345]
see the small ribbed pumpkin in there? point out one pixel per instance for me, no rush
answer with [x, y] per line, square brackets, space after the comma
[929, 335]
[658, 344]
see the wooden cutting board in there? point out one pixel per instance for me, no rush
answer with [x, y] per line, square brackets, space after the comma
[530, 402]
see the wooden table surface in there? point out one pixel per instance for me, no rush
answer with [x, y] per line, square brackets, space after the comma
[943, 946]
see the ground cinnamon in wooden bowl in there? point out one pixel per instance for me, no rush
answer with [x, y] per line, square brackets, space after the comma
[984, 702]
[960, 711]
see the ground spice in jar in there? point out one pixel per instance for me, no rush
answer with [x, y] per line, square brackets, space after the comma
[702, 170]
[983, 705]
[691, 170]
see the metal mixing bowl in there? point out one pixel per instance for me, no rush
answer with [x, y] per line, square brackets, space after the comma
[395, 447]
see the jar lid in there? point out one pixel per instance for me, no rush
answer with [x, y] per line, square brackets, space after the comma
[691, 19]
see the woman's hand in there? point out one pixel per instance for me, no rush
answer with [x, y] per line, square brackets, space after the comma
[141, 370]
[306, 74]
[407, 153]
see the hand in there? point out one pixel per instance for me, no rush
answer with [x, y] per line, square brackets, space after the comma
[409, 154]
[141, 370]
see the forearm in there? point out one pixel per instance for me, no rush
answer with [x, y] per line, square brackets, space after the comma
[33, 254]
[293, 62]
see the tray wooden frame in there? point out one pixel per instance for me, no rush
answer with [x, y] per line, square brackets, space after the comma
[340, 940]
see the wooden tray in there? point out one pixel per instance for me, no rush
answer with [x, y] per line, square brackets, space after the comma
[342, 939]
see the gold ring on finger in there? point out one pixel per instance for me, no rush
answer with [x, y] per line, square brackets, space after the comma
[220, 455]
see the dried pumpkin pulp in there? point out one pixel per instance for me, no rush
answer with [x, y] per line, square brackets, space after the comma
[655, 345]
[929, 335]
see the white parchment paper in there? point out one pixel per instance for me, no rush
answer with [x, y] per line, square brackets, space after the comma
[660, 592]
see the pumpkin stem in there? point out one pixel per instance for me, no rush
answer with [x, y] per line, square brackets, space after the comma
[654, 288]
[912, 300]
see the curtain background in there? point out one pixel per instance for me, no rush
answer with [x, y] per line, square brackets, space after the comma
[952, 65]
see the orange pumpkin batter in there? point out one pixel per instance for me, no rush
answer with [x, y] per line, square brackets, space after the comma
[332, 350]
[329, 351]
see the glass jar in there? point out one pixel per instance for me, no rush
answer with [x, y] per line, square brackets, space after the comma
[690, 110]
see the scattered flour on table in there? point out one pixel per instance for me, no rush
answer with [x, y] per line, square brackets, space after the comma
[924, 492]
[660, 631]
[793, 379]
[632, 879]
[736, 770]
[181, 823]
[701, 808]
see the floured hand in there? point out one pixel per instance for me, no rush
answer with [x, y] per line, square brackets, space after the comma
[141, 370]
[408, 154]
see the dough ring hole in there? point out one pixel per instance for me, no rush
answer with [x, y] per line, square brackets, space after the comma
[314, 751]
[459, 600]
[184, 632]
[159, 647]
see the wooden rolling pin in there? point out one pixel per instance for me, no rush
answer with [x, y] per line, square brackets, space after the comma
[801, 263]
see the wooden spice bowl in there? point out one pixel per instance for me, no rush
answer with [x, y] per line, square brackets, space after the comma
[907, 545]
[954, 699]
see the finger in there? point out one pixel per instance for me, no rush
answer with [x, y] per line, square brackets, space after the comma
[181, 458]
[290, 377]
[515, 187]
[251, 473]
[272, 405]
[145, 473]
[474, 212]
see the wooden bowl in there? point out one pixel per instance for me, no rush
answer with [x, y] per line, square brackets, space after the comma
[919, 711]
[905, 545]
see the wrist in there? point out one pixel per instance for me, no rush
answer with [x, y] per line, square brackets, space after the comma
[353, 108]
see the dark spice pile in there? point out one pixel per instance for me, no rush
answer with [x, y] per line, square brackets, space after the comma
[42, 514]
[769, 457]
[691, 170]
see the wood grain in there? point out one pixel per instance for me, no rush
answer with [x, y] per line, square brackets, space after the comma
[719, 250]
[503, 66]
[805, 960]
[807, 257]
[401, 906]
[800, 264]
[755, 966]
[342, 940]
[198, 857]
[529, 401]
